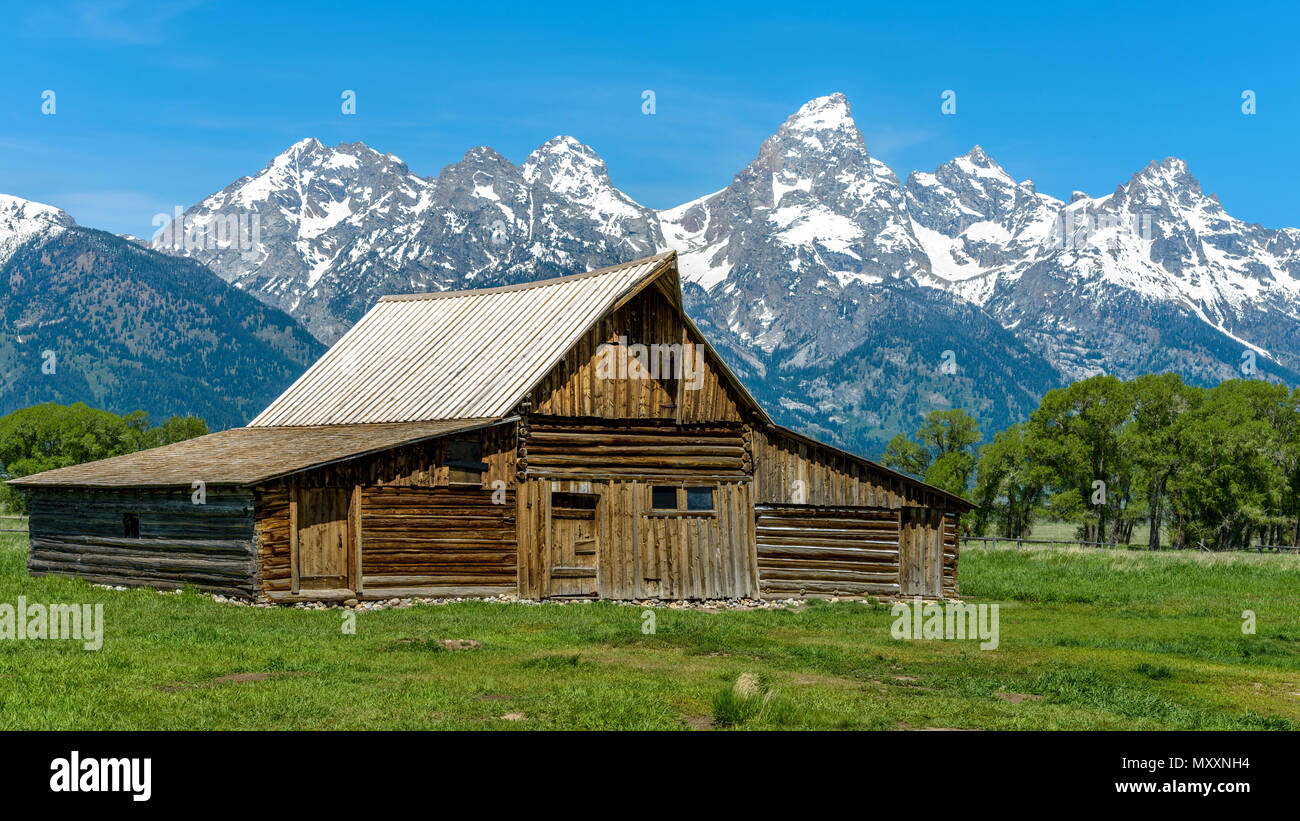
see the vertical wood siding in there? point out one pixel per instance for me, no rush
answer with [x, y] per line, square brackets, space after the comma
[575, 387]
[420, 465]
[644, 553]
[652, 554]
[792, 471]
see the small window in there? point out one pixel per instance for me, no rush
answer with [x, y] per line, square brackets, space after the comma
[464, 452]
[699, 498]
[464, 462]
[131, 525]
[663, 497]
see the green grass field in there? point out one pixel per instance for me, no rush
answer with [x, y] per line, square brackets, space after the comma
[1089, 640]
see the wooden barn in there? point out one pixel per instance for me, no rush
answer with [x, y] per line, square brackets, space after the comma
[574, 437]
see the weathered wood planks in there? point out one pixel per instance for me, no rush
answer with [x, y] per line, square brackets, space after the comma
[80, 532]
[415, 537]
[811, 550]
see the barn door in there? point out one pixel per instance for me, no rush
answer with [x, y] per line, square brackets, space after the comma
[573, 545]
[920, 554]
[323, 538]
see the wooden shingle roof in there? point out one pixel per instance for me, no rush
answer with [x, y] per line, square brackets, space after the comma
[244, 456]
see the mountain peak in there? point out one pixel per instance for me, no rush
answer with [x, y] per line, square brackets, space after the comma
[22, 220]
[564, 157]
[977, 163]
[304, 145]
[17, 208]
[483, 153]
[1171, 176]
[562, 144]
[829, 113]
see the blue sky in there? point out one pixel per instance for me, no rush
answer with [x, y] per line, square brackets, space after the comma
[159, 104]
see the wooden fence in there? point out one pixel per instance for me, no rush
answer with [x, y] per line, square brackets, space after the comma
[7, 520]
[1020, 544]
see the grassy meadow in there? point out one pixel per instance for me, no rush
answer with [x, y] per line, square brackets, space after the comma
[1088, 640]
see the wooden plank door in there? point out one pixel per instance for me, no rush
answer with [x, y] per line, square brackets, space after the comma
[573, 545]
[934, 553]
[920, 552]
[324, 543]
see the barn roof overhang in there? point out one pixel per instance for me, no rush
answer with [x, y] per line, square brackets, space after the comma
[247, 456]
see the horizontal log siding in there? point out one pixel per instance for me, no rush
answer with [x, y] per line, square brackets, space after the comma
[78, 532]
[593, 448]
[951, 550]
[273, 570]
[805, 550]
[437, 540]
[575, 388]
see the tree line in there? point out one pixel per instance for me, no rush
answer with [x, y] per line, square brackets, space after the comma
[47, 436]
[1215, 467]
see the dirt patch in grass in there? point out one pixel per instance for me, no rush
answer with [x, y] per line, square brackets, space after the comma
[460, 644]
[1016, 698]
[553, 662]
[700, 722]
[438, 645]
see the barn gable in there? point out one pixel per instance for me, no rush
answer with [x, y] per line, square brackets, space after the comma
[644, 360]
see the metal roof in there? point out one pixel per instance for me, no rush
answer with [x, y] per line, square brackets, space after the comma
[244, 456]
[455, 355]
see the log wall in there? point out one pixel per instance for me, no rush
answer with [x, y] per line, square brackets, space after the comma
[854, 551]
[80, 532]
[808, 550]
[437, 541]
[593, 448]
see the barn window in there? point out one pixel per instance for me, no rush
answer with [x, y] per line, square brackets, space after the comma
[663, 497]
[699, 498]
[465, 461]
[131, 525]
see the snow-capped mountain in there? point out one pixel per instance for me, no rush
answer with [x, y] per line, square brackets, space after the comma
[340, 226]
[1156, 276]
[807, 271]
[86, 316]
[850, 300]
[22, 221]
